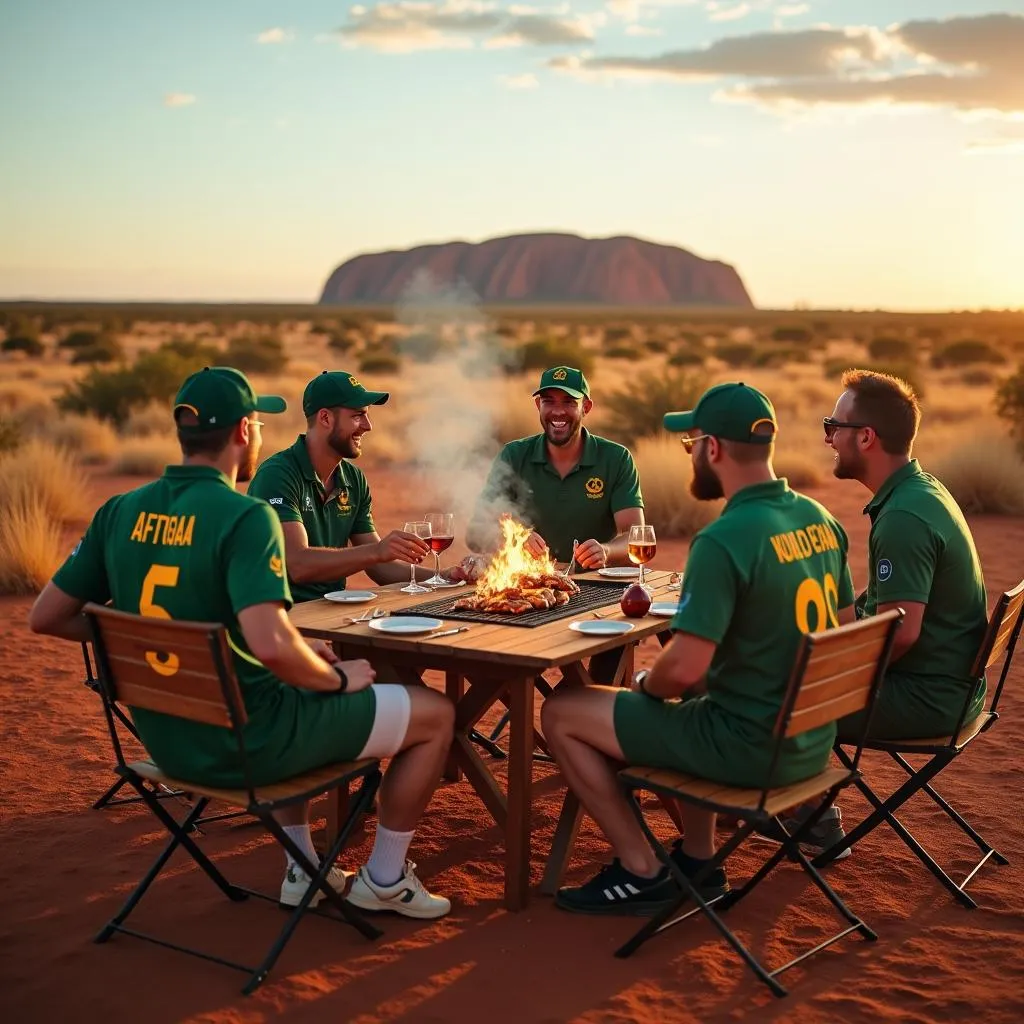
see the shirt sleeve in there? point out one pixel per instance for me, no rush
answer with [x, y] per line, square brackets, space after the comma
[363, 522]
[708, 596]
[847, 594]
[280, 489]
[84, 572]
[254, 554]
[626, 491]
[904, 552]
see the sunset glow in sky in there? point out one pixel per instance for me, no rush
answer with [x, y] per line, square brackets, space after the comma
[839, 153]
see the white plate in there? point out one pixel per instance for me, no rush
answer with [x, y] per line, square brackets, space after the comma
[405, 624]
[350, 596]
[620, 572]
[663, 609]
[597, 627]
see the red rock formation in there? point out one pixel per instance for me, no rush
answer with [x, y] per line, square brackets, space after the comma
[541, 268]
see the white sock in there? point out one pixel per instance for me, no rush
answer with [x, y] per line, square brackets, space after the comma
[387, 861]
[300, 836]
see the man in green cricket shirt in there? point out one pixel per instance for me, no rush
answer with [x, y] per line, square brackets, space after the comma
[190, 546]
[770, 568]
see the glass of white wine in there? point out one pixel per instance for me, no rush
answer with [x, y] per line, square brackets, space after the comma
[419, 529]
[643, 546]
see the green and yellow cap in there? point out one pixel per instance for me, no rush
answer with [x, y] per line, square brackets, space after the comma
[218, 397]
[334, 388]
[565, 378]
[733, 411]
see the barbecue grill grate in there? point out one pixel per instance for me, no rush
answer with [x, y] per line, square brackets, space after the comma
[593, 594]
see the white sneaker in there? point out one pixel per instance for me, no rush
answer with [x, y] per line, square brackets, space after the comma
[407, 896]
[296, 882]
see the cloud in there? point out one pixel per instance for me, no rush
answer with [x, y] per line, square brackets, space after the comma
[791, 10]
[969, 64]
[721, 12]
[274, 35]
[179, 99]
[642, 30]
[403, 26]
[526, 81]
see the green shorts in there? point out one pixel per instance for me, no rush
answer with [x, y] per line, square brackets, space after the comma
[909, 708]
[700, 737]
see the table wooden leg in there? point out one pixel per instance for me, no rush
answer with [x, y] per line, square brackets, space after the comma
[454, 688]
[520, 784]
[562, 843]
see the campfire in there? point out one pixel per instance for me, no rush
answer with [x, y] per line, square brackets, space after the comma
[516, 581]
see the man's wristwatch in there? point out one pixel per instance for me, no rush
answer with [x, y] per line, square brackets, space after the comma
[640, 679]
[344, 678]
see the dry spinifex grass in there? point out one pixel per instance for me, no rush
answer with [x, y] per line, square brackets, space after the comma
[40, 475]
[30, 547]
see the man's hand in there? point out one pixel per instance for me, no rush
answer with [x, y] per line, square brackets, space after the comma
[324, 650]
[399, 546]
[360, 674]
[536, 545]
[592, 555]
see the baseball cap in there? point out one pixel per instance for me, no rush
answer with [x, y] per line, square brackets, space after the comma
[220, 396]
[336, 387]
[565, 378]
[731, 411]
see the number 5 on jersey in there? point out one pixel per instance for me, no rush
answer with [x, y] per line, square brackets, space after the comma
[159, 576]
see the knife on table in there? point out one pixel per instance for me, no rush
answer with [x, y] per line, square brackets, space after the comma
[446, 632]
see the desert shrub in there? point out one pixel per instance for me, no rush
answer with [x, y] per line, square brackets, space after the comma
[379, 362]
[543, 353]
[340, 341]
[11, 434]
[687, 357]
[637, 410]
[146, 456]
[966, 352]
[978, 376]
[665, 472]
[193, 351]
[889, 349]
[106, 349]
[621, 352]
[30, 547]
[261, 353]
[800, 335]
[618, 333]
[27, 343]
[736, 353]
[800, 469]
[147, 420]
[43, 473]
[423, 346]
[90, 440]
[779, 355]
[75, 340]
[656, 345]
[984, 475]
[1009, 404]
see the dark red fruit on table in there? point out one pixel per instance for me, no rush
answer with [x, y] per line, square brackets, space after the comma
[636, 601]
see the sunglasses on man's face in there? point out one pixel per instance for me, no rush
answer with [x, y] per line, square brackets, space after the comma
[688, 443]
[832, 425]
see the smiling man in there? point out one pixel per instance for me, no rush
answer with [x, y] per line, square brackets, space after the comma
[566, 482]
[323, 500]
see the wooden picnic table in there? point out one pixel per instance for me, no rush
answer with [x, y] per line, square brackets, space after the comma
[482, 666]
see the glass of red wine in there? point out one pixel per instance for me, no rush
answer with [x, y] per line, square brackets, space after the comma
[442, 533]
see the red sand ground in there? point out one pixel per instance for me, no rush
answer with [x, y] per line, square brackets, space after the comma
[65, 868]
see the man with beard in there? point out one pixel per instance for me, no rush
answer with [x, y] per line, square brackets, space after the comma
[770, 568]
[189, 546]
[921, 557]
[566, 482]
[323, 501]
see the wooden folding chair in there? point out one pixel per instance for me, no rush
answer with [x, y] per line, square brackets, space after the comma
[203, 688]
[836, 672]
[1000, 640]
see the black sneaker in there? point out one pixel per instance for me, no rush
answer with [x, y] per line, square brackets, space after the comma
[827, 832]
[715, 885]
[614, 890]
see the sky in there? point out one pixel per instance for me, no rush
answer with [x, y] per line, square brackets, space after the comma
[854, 154]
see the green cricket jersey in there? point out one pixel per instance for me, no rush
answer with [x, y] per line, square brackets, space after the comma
[331, 515]
[582, 505]
[921, 549]
[771, 567]
[189, 546]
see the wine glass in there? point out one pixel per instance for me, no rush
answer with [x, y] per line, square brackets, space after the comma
[442, 533]
[643, 546]
[419, 529]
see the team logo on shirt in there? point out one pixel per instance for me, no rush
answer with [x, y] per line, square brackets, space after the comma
[883, 570]
[595, 487]
[309, 504]
[276, 565]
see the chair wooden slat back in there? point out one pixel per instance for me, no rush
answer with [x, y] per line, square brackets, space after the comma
[836, 671]
[1001, 625]
[177, 668]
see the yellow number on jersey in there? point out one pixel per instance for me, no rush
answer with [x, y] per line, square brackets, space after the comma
[823, 598]
[159, 576]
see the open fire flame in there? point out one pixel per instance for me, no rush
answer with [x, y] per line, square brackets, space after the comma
[511, 562]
